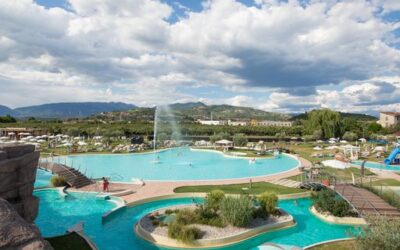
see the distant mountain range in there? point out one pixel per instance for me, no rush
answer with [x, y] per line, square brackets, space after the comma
[196, 110]
[66, 109]
[191, 111]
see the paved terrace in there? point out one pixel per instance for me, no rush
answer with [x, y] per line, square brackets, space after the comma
[161, 188]
[365, 201]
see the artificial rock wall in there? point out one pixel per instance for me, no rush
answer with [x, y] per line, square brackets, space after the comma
[18, 206]
[18, 165]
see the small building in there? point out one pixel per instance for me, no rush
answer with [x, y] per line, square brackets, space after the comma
[268, 123]
[389, 119]
[224, 144]
[212, 122]
[237, 123]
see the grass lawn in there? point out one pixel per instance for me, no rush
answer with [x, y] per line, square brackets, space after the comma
[386, 182]
[340, 245]
[345, 174]
[70, 241]
[342, 174]
[257, 188]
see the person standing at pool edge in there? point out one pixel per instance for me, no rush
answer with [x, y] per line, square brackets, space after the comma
[105, 184]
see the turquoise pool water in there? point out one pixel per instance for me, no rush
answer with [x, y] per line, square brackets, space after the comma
[42, 178]
[118, 232]
[57, 214]
[176, 164]
[377, 165]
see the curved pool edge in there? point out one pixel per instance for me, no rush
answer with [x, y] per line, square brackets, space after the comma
[354, 221]
[327, 241]
[164, 241]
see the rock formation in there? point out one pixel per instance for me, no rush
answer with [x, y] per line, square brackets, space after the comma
[18, 165]
[18, 206]
[16, 233]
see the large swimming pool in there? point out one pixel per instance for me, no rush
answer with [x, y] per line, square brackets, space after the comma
[56, 214]
[176, 164]
[377, 165]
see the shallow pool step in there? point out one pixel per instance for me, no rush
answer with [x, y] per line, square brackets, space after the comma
[102, 197]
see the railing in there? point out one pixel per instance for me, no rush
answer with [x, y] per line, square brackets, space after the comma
[385, 192]
[354, 193]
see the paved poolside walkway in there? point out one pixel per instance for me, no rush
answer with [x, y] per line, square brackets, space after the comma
[162, 188]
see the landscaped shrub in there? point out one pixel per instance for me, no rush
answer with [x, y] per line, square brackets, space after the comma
[57, 181]
[209, 217]
[171, 211]
[213, 199]
[328, 201]
[268, 202]
[189, 234]
[186, 216]
[174, 230]
[236, 210]
[382, 233]
[186, 234]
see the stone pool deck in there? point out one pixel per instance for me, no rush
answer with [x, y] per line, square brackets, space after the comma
[164, 188]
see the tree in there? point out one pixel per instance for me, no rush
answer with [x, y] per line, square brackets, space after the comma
[349, 136]
[240, 140]
[326, 120]
[317, 135]
[375, 128]
[219, 136]
[7, 119]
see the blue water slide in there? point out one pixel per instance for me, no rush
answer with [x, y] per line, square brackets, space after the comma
[392, 156]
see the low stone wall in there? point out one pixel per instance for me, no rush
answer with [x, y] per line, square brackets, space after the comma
[210, 243]
[338, 220]
[18, 164]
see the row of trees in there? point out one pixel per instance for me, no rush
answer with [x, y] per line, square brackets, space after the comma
[319, 124]
[325, 123]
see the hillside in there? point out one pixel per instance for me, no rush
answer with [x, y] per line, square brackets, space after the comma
[357, 116]
[194, 111]
[4, 110]
[66, 110]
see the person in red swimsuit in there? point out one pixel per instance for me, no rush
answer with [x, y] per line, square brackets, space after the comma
[105, 184]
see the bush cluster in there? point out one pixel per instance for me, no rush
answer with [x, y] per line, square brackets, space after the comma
[57, 181]
[213, 199]
[237, 211]
[268, 202]
[219, 210]
[183, 233]
[328, 201]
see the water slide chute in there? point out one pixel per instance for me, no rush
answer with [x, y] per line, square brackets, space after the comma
[392, 156]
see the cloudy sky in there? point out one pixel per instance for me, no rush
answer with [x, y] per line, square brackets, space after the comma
[287, 56]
